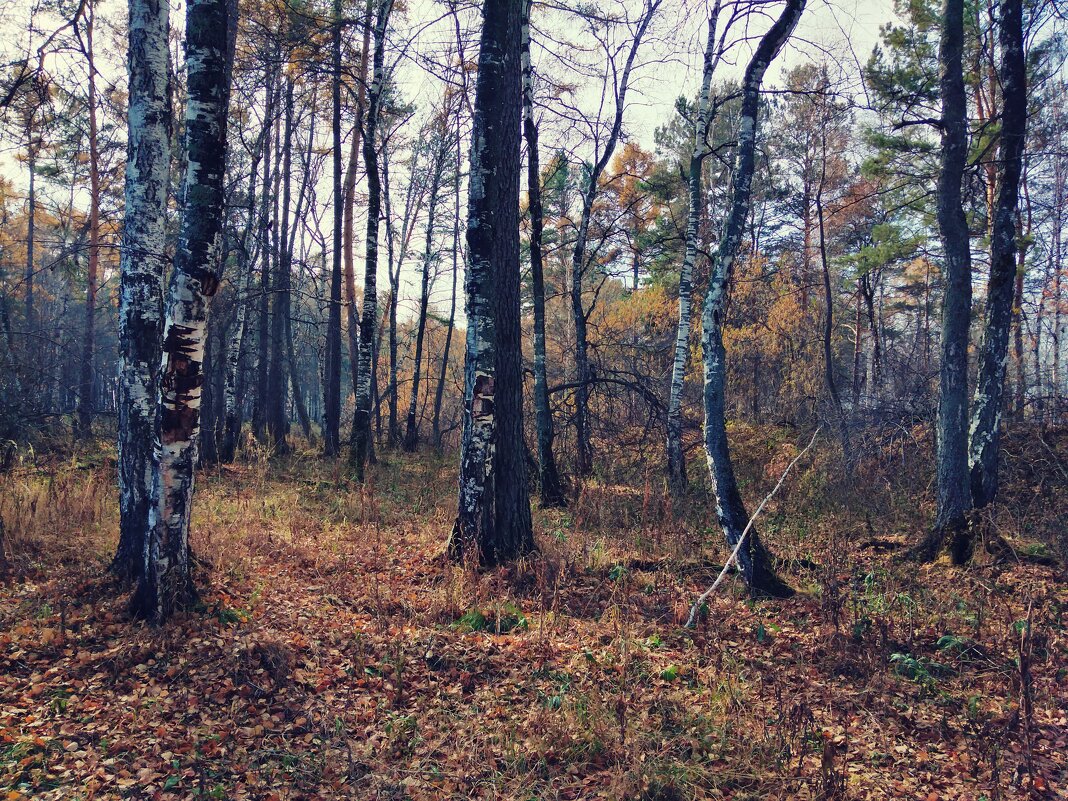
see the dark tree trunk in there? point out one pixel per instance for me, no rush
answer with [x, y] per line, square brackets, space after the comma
[954, 496]
[85, 382]
[754, 560]
[277, 374]
[985, 444]
[493, 522]
[350, 201]
[552, 492]
[142, 266]
[332, 401]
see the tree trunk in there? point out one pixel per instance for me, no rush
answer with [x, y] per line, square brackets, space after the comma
[985, 441]
[552, 493]
[828, 301]
[361, 426]
[493, 522]
[277, 373]
[350, 200]
[166, 584]
[141, 270]
[85, 382]
[332, 401]
[753, 559]
[676, 457]
[954, 497]
[259, 412]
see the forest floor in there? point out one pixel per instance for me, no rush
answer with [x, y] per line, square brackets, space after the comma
[336, 655]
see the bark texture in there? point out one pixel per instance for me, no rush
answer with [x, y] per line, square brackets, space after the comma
[166, 584]
[141, 270]
[951, 470]
[493, 519]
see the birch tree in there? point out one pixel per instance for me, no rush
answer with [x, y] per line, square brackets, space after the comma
[141, 270]
[493, 519]
[166, 584]
[676, 458]
[361, 425]
[753, 558]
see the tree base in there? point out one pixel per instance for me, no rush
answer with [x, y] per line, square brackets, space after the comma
[771, 587]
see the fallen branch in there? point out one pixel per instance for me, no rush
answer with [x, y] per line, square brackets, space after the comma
[692, 620]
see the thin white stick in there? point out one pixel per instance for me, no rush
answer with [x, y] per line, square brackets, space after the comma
[741, 540]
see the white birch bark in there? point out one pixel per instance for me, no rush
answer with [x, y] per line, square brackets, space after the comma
[166, 583]
[676, 459]
[142, 266]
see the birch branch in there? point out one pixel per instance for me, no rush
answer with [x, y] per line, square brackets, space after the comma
[691, 621]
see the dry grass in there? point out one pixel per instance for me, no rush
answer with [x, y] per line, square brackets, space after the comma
[336, 655]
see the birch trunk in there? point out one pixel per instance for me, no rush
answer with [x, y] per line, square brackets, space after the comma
[493, 522]
[754, 560]
[166, 584]
[676, 458]
[985, 434]
[141, 270]
[350, 200]
[361, 425]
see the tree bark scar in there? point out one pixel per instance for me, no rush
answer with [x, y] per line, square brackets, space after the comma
[180, 384]
[482, 397]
